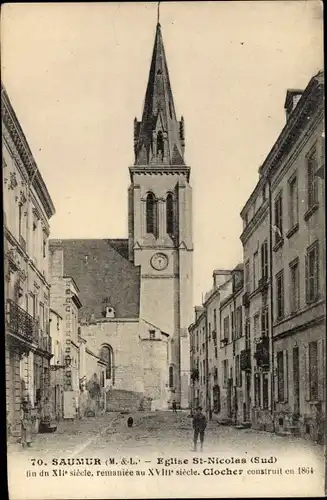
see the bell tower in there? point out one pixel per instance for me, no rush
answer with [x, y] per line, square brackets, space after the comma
[160, 221]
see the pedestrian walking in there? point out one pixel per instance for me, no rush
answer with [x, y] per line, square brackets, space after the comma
[199, 426]
[26, 424]
[174, 407]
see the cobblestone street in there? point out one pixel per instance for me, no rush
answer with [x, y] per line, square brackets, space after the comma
[161, 436]
[157, 432]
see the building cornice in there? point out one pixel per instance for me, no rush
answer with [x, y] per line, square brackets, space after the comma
[307, 134]
[211, 297]
[311, 100]
[255, 221]
[160, 170]
[233, 296]
[18, 138]
[289, 134]
[198, 320]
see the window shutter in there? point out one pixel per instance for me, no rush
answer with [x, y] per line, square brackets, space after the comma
[262, 262]
[306, 372]
[270, 376]
[261, 390]
[317, 272]
[275, 376]
[321, 369]
[285, 365]
[306, 279]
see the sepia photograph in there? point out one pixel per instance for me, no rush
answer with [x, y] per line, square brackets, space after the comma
[163, 176]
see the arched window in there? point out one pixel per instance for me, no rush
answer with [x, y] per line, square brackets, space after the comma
[106, 355]
[151, 214]
[170, 214]
[171, 376]
[160, 144]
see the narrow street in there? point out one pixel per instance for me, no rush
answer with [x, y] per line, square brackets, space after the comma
[160, 444]
[156, 432]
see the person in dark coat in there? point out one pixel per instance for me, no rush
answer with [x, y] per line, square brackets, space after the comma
[26, 424]
[199, 426]
[174, 406]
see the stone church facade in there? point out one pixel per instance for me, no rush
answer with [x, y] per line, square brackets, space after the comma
[136, 293]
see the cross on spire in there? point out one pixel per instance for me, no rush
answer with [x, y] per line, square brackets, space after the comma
[158, 13]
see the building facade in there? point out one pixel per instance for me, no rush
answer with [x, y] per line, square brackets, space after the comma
[206, 346]
[27, 208]
[298, 265]
[57, 365]
[256, 241]
[234, 370]
[126, 355]
[197, 333]
[272, 351]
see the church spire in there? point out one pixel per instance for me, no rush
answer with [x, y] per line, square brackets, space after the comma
[159, 136]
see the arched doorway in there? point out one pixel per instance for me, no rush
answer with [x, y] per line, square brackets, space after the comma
[107, 354]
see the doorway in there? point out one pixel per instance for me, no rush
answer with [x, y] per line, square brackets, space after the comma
[296, 381]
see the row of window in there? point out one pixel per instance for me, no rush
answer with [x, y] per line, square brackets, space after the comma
[233, 329]
[152, 214]
[261, 381]
[39, 245]
[233, 326]
[311, 370]
[257, 272]
[293, 197]
[311, 282]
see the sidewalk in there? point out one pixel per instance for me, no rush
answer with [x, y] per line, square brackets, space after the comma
[69, 434]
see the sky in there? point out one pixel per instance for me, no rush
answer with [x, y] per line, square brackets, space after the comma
[76, 75]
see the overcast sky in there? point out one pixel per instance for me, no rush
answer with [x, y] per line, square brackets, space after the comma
[76, 75]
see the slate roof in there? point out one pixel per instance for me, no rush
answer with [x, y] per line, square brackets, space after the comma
[102, 270]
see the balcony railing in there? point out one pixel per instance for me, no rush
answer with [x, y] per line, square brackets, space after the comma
[262, 352]
[245, 359]
[20, 322]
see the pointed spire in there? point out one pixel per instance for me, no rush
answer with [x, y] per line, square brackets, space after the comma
[159, 137]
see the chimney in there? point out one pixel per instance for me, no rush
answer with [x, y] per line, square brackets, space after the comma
[220, 276]
[292, 98]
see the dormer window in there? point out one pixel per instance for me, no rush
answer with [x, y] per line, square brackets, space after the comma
[152, 334]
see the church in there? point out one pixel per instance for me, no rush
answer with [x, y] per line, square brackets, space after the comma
[136, 293]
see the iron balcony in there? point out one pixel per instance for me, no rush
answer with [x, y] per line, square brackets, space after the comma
[245, 360]
[262, 352]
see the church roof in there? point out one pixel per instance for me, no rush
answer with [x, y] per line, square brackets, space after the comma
[102, 271]
[159, 115]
